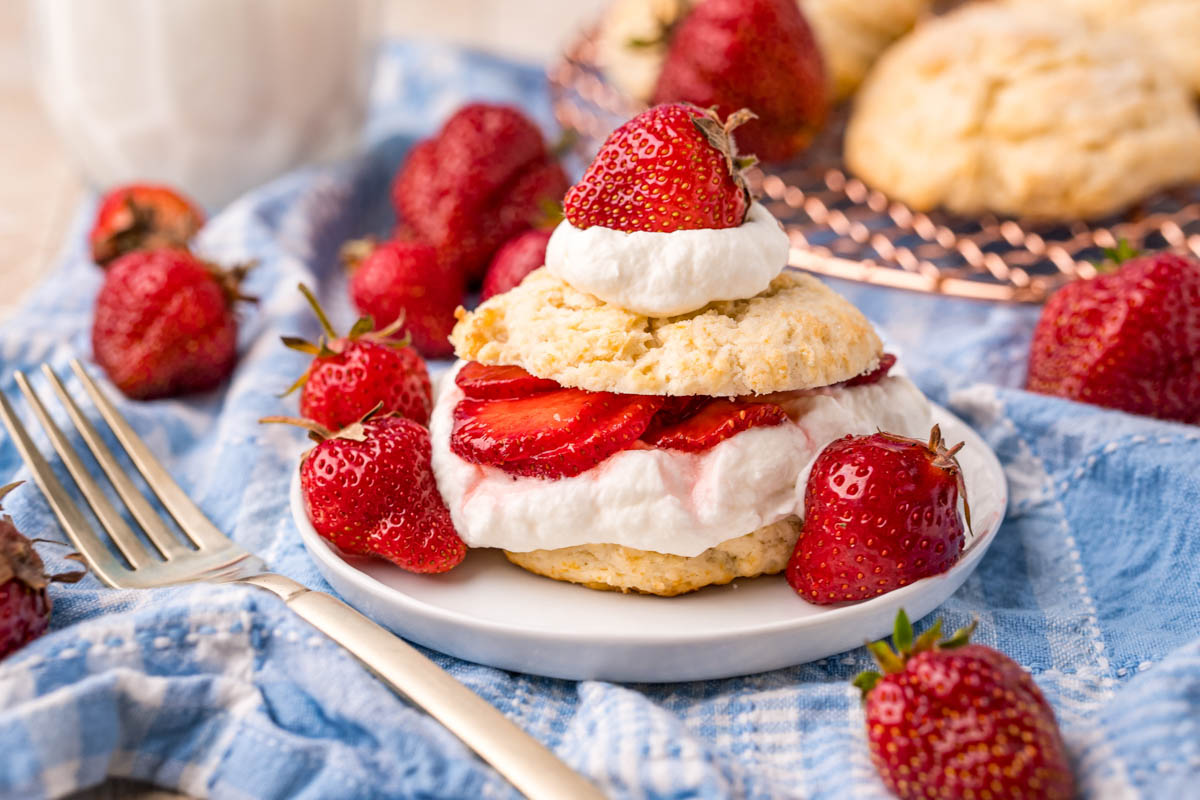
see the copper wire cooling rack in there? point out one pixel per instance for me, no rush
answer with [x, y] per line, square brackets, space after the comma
[841, 227]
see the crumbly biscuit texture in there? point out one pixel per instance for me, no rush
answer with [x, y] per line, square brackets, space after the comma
[853, 33]
[1170, 28]
[798, 334]
[1022, 110]
[613, 567]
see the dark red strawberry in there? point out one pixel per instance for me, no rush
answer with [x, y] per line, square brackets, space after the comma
[886, 362]
[142, 216]
[554, 434]
[756, 54]
[369, 489]
[404, 280]
[164, 323]
[880, 512]
[484, 382]
[1128, 339]
[364, 370]
[519, 256]
[24, 604]
[715, 421]
[485, 177]
[953, 719]
[673, 167]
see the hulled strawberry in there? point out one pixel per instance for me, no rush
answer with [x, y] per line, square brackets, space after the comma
[404, 280]
[710, 422]
[880, 512]
[164, 323]
[519, 256]
[673, 167]
[24, 604]
[369, 489]
[142, 216]
[756, 54]
[485, 177]
[364, 370]
[1128, 339]
[954, 719]
[549, 434]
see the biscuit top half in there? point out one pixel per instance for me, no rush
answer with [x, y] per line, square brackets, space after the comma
[797, 334]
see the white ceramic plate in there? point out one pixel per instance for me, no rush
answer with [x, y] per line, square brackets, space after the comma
[492, 612]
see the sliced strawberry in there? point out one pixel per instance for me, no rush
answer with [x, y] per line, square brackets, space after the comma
[483, 382]
[610, 435]
[676, 409]
[552, 434]
[715, 422]
[886, 362]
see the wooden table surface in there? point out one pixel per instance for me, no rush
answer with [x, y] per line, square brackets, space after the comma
[40, 188]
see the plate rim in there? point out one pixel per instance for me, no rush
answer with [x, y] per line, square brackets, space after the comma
[322, 552]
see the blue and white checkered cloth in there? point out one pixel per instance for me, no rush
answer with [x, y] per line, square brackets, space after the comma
[1093, 583]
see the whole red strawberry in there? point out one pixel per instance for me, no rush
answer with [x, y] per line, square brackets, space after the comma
[673, 167]
[756, 54]
[953, 719]
[880, 512]
[1128, 339]
[142, 216]
[519, 256]
[485, 177]
[405, 281]
[24, 604]
[369, 489]
[164, 323]
[364, 370]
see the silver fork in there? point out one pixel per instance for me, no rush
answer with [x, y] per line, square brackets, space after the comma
[212, 556]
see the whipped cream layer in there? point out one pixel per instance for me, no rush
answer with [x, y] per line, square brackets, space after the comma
[664, 274]
[666, 501]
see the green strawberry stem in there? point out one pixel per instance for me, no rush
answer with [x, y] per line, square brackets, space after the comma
[320, 312]
[328, 344]
[1114, 257]
[906, 647]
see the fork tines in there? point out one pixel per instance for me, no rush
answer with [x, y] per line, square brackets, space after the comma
[170, 560]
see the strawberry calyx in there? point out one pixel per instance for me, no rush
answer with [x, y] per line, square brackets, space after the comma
[356, 431]
[944, 458]
[331, 343]
[1114, 257]
[230, 280]
[893, 661]
[144, 218]
[720, 136]
[18, 559]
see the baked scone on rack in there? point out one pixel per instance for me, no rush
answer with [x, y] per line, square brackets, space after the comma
[639, 414]
[1023, 110]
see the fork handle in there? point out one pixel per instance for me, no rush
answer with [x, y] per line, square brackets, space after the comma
[528, 765]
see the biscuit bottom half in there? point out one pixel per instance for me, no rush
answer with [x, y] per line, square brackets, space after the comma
[613, 567]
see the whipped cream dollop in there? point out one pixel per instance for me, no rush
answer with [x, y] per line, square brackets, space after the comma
[664, 274]
[666, 501]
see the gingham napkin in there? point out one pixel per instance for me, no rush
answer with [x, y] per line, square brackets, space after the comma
[220, 691]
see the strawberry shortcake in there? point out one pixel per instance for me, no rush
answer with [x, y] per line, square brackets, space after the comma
[640, 414]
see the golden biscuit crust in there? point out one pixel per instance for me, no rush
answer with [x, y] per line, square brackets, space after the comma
[612, 567]
[798, 334]
[1021, 110]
